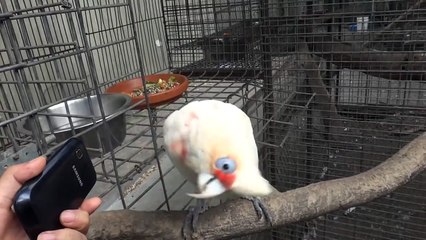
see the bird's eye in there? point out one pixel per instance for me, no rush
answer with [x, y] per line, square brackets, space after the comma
[226, 165]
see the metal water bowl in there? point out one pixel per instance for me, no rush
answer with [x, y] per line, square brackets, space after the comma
[55, 120]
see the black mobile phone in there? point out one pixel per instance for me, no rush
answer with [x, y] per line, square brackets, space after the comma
[68, 177]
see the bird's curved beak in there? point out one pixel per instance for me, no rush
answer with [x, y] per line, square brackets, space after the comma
[209, 186]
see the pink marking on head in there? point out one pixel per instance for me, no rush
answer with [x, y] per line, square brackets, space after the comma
[227, 179]
[192, 116]
[183, 152]
[179, 147]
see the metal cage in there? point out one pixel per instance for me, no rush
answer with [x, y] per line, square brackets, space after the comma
[333, 88]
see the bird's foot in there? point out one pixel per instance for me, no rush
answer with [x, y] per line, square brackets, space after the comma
[191, 219]
[260, 209]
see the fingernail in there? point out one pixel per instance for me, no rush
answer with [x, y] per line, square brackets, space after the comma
[34, 161]
[47, 236]
[68, 216]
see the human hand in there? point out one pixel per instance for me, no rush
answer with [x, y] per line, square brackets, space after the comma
[76, 222]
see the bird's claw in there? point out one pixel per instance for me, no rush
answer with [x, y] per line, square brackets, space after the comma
[260, 208]
[191, 219]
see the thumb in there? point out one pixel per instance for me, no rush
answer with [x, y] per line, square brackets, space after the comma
[13, 178]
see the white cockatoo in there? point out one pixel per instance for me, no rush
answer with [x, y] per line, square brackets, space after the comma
[212, 144]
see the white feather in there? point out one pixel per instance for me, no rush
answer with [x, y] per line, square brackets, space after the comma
[218, 128]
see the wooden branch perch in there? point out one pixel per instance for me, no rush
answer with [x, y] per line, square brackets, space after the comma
[236, 218]
[394, 22]
[383, 64]
[316, 83]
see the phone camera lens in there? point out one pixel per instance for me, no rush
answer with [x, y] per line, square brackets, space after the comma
[78, 153]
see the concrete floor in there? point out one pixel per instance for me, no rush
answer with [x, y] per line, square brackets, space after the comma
[143, 190]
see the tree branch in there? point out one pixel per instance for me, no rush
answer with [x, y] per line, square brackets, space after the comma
[238, 217]
[316, 83]
[383, 64]
[394, 22]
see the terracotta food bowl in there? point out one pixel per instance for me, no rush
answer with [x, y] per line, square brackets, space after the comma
[155, 99]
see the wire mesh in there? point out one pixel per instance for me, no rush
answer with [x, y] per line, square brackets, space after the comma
[55, 54]
[333, 88]
[342, 90]
[204, 36]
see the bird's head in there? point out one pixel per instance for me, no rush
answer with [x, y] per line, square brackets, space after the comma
[237, 173]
